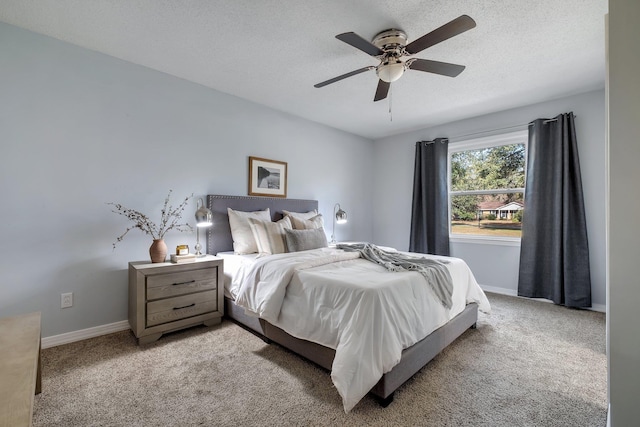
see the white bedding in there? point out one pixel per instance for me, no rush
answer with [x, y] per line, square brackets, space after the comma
[232, 264]
[364, 312]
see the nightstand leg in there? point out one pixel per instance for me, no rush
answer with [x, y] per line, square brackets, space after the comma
[149, 339]
[213, 322]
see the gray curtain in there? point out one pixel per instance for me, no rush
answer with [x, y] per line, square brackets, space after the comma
[554, 251]
[430, 208]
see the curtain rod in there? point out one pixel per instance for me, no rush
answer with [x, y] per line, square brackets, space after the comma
[522, 125]
[488, 131]
[431, 142]
[550, 120]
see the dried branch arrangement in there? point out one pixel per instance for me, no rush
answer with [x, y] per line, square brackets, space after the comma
[169, 220]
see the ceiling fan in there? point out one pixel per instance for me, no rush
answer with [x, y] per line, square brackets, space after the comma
[390, 48]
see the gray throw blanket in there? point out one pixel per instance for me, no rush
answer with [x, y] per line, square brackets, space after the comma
[434, 271]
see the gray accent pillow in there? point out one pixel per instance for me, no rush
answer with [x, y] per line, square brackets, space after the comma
[304, 240]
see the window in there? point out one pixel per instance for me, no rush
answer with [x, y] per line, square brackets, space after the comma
[486, 186]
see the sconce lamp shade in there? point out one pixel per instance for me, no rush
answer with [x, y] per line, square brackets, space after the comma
[340, 217]
[204, 218]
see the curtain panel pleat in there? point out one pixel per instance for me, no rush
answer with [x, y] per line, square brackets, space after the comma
[430, 208]
[554, 251]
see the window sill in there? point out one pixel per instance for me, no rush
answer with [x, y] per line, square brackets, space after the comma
[485, 240]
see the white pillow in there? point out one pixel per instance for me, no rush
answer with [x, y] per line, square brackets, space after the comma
[243, 240]
[297, 218]
[269, 235]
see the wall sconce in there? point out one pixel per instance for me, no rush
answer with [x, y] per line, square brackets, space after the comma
[340, 217]
[204, 218]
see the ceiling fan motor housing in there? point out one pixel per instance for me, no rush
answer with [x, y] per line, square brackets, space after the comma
[390, 40]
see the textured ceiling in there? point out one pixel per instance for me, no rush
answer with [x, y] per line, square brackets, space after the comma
[273, 51]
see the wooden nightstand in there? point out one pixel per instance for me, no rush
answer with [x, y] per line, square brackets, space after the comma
[165, 297]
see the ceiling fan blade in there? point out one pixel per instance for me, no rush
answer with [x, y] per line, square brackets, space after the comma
[442, 68]
[344, 76]
[448, 30]
[382, 90]
[359, 43]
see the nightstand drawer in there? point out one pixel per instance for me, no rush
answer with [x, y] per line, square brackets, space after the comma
[186, 282]
[171, 309]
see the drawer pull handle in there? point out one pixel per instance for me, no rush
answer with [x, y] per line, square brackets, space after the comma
[184, 283]
[186, 306]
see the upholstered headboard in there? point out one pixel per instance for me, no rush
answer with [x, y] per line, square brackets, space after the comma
[219, 234]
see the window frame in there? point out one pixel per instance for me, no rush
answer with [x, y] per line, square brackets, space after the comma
[498, 140]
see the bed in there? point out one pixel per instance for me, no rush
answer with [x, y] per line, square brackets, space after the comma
[393, 371]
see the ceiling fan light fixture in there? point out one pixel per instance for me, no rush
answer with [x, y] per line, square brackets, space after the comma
[390, 72]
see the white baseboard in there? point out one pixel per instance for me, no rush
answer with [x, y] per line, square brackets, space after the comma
[84, 334]
[502, 291]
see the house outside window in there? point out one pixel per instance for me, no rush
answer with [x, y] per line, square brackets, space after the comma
[486, 187]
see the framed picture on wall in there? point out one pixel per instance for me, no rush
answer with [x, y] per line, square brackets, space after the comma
[267, 177]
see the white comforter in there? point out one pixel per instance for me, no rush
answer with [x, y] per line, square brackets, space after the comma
[364, 312]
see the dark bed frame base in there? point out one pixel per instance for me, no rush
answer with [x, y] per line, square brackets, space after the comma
[219, 239]
[412, 360]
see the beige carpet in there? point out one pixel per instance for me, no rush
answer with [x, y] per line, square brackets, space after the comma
[529, 363]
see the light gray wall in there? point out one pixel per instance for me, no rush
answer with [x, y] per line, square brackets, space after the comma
[80, 129]
[623, 314]
[496, 265]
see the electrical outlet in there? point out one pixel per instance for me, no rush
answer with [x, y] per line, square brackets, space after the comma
[66, 300]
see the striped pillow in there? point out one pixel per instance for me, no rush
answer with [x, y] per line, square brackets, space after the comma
[269, 235]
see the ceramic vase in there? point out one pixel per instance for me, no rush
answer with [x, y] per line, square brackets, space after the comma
[158, 251]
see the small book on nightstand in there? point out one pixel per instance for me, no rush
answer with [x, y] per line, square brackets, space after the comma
[181, 259]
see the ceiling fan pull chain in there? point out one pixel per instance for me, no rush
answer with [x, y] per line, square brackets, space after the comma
[390, 97]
